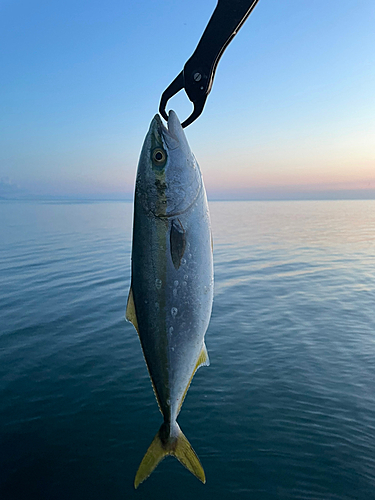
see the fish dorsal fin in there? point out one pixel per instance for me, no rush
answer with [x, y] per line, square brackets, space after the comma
[203, 360]
[177, 242]
[131, 315]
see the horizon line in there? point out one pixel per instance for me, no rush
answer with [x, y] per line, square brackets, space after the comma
[128, 199]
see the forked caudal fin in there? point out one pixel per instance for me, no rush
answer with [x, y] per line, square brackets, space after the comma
[176, 445]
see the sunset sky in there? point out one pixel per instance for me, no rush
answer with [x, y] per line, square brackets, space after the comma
[291, 113]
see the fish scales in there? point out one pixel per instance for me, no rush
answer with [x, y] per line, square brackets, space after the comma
[171, 294]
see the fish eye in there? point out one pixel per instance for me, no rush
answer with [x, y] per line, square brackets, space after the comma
[159, 156]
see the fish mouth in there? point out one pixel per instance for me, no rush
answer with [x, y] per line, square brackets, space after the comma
[170, 135]
[158, 124]
[174, 125]
[158, 129]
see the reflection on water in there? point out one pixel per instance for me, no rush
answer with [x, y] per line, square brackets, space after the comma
[287, 407]
[298, 223]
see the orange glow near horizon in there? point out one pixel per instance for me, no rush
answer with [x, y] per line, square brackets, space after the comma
[291, 178]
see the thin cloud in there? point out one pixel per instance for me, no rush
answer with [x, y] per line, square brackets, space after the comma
[8, 188]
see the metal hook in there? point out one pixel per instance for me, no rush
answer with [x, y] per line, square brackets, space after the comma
[175, 87]
[197, 76]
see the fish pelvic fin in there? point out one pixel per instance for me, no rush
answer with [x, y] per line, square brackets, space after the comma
[175, 444]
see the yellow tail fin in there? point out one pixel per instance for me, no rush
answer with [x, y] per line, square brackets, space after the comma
[176, 445]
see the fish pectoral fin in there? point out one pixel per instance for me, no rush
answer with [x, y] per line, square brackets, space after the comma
[131, 315]
[177, 240]
[178, 446]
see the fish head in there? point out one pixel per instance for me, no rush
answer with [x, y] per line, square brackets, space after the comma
[168, 177]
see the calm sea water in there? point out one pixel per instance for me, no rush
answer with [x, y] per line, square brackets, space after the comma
[285, 411]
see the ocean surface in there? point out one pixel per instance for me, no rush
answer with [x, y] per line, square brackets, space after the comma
[285, 411]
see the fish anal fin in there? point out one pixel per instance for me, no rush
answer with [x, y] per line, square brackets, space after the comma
[203, 360]
[176, 445]
[131, 314]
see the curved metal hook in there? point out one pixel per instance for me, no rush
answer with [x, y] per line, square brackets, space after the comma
[170, 91]
[175, 87]
[199, 71]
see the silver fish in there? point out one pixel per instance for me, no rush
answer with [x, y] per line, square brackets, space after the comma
[170, 298]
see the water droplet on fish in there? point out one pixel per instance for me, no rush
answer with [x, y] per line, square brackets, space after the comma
[190, 256]
[175, 283]
[174, 292]
[171, 331]
[158, 283]
[186, 277]
[174, 311]
[183, 261]
[168, 402]
[184, 283]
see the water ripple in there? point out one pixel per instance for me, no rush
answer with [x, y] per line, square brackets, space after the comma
[287, 407]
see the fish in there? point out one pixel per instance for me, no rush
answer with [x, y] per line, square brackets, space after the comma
[172, 281]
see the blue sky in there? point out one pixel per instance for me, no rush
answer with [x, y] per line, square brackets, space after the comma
[291, 112]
